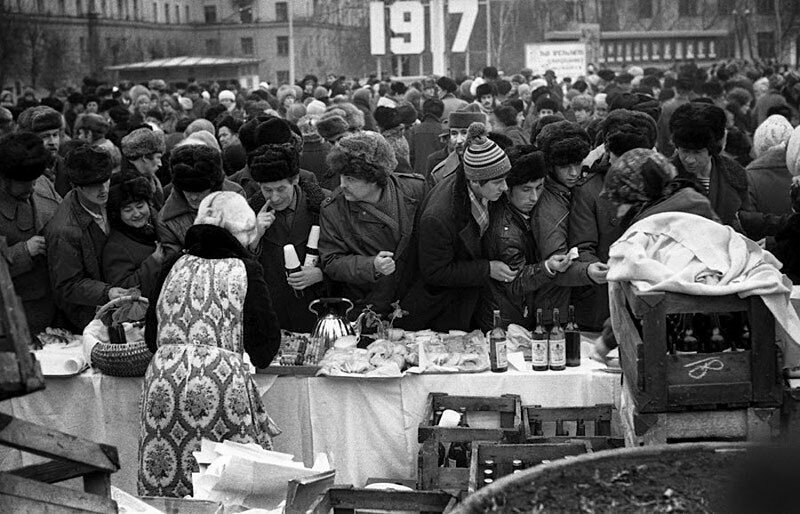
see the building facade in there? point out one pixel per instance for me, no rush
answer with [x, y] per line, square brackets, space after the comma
[55, 43]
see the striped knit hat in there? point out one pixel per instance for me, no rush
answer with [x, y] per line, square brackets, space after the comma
[483, 159]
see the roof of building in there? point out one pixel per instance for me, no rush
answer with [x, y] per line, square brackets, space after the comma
[184, 62]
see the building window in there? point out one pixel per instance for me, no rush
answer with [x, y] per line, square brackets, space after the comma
[135, 9]
[177, 14]
[766, 45]
[283, 77]
[765, 7]
[283, 45]
[40, 6]
[79, 7]
[186, 14]
[609, 16]
[645, 8]
[166, 13]
[281, 11]
[246, 15]
[687, 8]
[62, 6]
[81, 48]
[104, 8]
[212, 46]
[247, 46]
[210, 12]
[155, 12]
[725, 7]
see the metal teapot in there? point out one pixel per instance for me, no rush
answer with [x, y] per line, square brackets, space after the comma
[332, 320]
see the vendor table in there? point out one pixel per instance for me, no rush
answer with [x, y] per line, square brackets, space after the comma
[368, 427]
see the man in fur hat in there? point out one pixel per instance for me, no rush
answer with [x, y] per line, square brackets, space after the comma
[143, 148]
[77, 236]
[455, 217]
[93, 128]
[564, 145]
[698, 133]
[287, 212]
[48, 124]
[368, 241]
[28, 201]
[458, 124]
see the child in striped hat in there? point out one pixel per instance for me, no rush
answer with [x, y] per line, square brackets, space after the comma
[485, 167]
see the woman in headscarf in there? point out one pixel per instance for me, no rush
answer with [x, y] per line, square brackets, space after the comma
[211, 307]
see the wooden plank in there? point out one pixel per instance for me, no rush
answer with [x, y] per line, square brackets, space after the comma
[709, 368]
[39, 440]
[654, 336]
[710, 394]
[453, 479]
[477, 403]
[350, 498]
[677, 303]
[430, 464]
[98, 482]
[595, 413]
[766, 376]
[53, 471]
[720, 424]
[450, 434]
[52, 498]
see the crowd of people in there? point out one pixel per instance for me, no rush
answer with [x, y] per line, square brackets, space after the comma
[452, 198]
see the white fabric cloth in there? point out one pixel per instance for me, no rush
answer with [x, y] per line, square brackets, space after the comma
[685, 253]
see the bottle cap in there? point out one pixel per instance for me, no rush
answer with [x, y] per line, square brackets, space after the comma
[313, 237]
[290, 257]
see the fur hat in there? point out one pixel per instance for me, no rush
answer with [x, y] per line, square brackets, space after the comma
[39, 119]
[276, 131]
[637, 177]
[483, 159]
[563, 143]
[127, 187]
[623, 130]
[142, 141]
[386, 117]
[351, 114]
[363, 155]
[295, 112]
[229, 210]
[695, 126]
[196, 168]
[285, 91]
[463, 119]
[92, 122]
[331, 125]
[447, 84]
[198, 125]
[321, 92]
[793, 152]
[88, 165]
[547, 102]
[315, 107]
[774, 131]
[635, 102]
[527, 165]
[407, 114]
[485, 89]
[226, 95]
[201, 137]
[271, 163]
[607, 75]
[23, 156]
[186, 103]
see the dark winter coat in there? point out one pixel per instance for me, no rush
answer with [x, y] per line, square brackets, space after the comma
[593, 228]
[453, 266]
[260, 329]
[350, 238]
[75, 246]
[177, 216]
[728, 192]
[423, 140]
[29, 274]
[550, 225]
[509, 239]
[434, 160]
[515, 134]
[768, 181]
[128, 260]
[292, 312]
[312, 158]
[785, 247]
[664, 141]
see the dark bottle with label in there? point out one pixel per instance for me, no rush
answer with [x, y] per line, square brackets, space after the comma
[687, 342]
[572, 336]
[717, 342]
[459, 454]
[441, 449]
[539, 344]
[497, 346]
[557, 345]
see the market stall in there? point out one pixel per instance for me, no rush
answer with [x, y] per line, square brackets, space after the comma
[368, 426]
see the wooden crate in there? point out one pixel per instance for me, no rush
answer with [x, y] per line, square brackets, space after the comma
[347, 499]
[20, 374]
[567, 422]
[504, 454]
[663, 383]
[744, 424]
[431, 476]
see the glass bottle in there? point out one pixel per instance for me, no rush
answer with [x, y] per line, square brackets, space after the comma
[459, 454]
[572, 336]
[539, 344]
[557, 345]
[497, 346]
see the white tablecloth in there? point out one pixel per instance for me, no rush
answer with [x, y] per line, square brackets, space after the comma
[368, 427]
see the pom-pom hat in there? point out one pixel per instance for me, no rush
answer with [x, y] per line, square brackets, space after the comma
[483, 159]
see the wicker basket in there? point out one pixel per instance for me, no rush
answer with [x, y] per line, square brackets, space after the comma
[121, 360]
